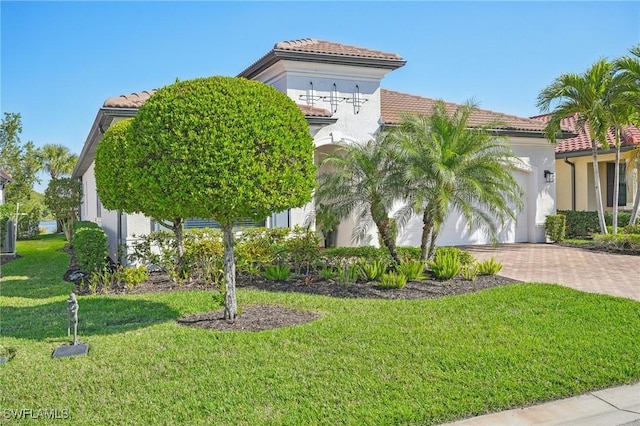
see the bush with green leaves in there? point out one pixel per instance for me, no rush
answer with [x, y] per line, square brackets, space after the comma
[156, 249]
[91, 249]
[337, 254]
[413, 270]
[619, 242]
[63, 198]
[582, 224]
[470, 272]
[409, 253]
[258, 248]
[277, 272]
[555, 226]
[347, 272]
[466, 258]
[489, 267]
[631, 229]
[393, 280]
[446, 265]
[204, 255]
[302, 248]
[372, 270]
[132, 276]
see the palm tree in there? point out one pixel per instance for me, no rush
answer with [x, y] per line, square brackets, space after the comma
[587, 96]
[361, 180]
[628, 71]
[449, 166]
[57, 160]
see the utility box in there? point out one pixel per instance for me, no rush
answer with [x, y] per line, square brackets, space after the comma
[8, 237]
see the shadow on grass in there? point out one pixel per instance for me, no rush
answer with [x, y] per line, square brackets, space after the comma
[96, 316]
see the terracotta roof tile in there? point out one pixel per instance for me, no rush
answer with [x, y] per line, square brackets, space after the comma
[134, 100]
[5, 176]
[137, 99]
[312, 45]
[394, 104]
[582, 142]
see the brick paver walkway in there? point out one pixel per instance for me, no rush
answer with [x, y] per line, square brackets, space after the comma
[614, 274]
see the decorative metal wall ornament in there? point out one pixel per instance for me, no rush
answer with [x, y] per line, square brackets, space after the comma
[310, 97]
[357, 100]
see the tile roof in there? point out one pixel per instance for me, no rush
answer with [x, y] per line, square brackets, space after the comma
[322, 51]
[5, 176]
[394, 104]
[136, 100]
[312, 45]
[582, 142]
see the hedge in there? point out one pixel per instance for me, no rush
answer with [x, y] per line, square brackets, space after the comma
[90, 246]
[582, 224]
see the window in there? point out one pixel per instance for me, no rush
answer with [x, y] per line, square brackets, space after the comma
[622, 184]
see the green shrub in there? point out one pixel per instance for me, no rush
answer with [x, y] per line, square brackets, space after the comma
[446, 265]
[257, 248]
[29, 223]
[156, 249]
[617, 241]
[277, 272]
[393, 280]
[413, 270]
[204, 254]
[327, 273]
[409, 253]
[586, 223]
[347, 272]
[631, 229]
[99, 281]
[489, 267]
[465, 258]
[352, 253]
[555, 226]
[372, 270]
[132, 276]
[91, 249]
[302, 248]
[470, 272]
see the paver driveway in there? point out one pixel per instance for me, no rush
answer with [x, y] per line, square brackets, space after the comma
[614, 274]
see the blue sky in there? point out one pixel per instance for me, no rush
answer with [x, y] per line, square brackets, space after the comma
[61, 60]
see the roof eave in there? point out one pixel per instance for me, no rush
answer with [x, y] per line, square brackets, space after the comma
[326, 58]
[103, 120]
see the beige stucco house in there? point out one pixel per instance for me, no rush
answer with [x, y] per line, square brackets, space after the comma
[575, 189]
[338, 88]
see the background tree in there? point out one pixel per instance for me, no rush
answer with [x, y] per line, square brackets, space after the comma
[63, 197]
[115, 183]
[362, 180]
[57, 160]
[584, 94]
[221, 148]
[447, 166]
[19, 160]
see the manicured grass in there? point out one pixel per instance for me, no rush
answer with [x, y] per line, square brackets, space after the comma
[363, 362]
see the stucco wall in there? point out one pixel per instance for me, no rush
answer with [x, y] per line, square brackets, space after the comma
[584, 183]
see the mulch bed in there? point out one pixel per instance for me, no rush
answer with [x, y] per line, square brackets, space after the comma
[265, 317]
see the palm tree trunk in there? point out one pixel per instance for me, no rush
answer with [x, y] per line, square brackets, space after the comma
[230, 301]
[384, 228]
[432, 244]
[616, 183]
[596, 184]
[427, 227]
[636, 207]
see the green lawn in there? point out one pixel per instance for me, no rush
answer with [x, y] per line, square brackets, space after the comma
[364, 362]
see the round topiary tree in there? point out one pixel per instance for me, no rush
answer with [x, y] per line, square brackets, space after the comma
[116, 185]
[221, 148]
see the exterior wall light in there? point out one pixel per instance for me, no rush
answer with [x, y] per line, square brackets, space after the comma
[549, 176]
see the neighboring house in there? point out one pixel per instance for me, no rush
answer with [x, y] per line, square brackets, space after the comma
[575, 189]
[337, 87]
[4, 178]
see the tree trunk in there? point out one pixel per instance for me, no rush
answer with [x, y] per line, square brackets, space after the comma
[636, 207]
[596, 183]
[432, 243]
[427, 227]
[230, 302]
[616, 184]
[384, 230]
[178, 232]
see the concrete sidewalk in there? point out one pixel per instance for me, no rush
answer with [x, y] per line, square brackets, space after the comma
[608, 407]
[613, 274]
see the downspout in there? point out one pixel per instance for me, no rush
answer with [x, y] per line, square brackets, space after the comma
[573, 183]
